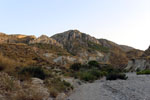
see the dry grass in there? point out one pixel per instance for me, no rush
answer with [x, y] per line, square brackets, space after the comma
[7, 64]
[31, 92]
[7, 84]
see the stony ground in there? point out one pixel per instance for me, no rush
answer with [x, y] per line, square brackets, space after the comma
[134, 88]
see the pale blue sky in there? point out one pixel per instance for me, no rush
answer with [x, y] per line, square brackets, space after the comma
[122, 21]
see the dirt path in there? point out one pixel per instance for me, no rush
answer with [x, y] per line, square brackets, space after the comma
[134, 88]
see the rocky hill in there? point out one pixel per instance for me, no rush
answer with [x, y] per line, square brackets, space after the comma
[72, 46]
[82, 45]
[89, 48]
[49, 61]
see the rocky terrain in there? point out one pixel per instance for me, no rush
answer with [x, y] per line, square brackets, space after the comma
[53, 63]
[141, 62]
[134, 88]
[72, 46]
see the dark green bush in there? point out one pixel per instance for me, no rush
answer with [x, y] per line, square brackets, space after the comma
[76, 66]
[146, 71]
[114, 76]
[86, 76]
[33, 72]
[93, 63]
[138, 70]
[90, 75]
[95, 73]
[66, 83]
[92, 71]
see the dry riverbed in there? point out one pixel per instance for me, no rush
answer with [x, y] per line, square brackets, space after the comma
[136, 87]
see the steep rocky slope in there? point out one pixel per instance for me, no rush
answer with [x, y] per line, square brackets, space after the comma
[81, 45]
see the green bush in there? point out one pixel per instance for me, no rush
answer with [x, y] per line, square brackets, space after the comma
[114, 76]
[138, 70]
[146, 71]
[33, 72]
[66, 83]
[76, 66]
[90, 75]
[86, 76]
[111, 69]
[92, 71]
[103, 73]
[93, 63]
[95, 73]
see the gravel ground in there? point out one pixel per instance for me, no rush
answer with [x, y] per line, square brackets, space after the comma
[136, 87]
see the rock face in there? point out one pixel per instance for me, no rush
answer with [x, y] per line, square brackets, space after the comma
[43, 39]
[80, 44]
[142, 62]
[72, 35]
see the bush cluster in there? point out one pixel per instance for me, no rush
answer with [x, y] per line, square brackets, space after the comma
[93, 71]
[32, 71]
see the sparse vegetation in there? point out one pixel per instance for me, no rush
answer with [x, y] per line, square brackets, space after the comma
[98, 47]
[50, 48]
[146, 71]
[56, 85]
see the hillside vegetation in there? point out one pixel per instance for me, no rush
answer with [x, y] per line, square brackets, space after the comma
[39, 68]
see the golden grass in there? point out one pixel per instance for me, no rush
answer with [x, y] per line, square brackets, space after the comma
[7, 64]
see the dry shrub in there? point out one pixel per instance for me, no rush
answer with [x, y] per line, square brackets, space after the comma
[8, 84]
[30, 92]
[7, 64]
[12, 89]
